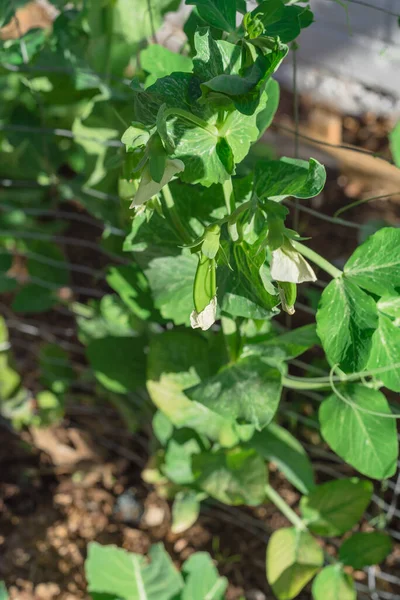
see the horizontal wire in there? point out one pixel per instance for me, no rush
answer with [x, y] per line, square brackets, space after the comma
[324, 217]
[68, 241]
[52, 262]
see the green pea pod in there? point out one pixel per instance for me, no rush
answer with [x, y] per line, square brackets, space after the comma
[210, 245]
[205, 283]
[275, 237]
[288, 294]
[158, 158]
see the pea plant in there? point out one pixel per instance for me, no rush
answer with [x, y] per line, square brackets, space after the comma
[191, 323]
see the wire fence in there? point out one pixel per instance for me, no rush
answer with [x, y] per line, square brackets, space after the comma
[29, 331]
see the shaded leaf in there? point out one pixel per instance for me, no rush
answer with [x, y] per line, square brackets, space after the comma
[364, 549]
[218, 13]
[56, 371]
[278, 445]
[279, 179]
[118, 362]
[248, 390]
[334, 507]
[234, 477]
[185, 511]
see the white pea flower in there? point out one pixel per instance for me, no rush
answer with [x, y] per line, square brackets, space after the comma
[206, 318]
[289, 265]
[149, 188]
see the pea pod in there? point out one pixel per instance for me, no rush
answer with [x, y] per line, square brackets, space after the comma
[210, 245]
[205, 284]
[288, 294]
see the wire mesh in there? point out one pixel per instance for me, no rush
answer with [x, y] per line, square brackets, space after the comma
[26, 332]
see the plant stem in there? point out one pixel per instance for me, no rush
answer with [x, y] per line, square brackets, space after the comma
[285, 508]
[317, 259]
[305, 383]
[170, 204]
[188, 116]
[227, 188]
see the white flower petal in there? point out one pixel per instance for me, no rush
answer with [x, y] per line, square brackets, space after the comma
[289, 265]
[206, 318]
[149, 188]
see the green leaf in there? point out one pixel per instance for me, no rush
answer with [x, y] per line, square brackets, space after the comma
[266, 115]
[202, 581]
[162, 428]
[118, 362]
[218, 13]
[50, 409]
[332, 583]
[248, 390]
[364, 549]
[390, 306]
[185, 511]
[346, 320]
[171, 281]
[159, 62]
[242, 288]
[112, 570]
[286, 346]
[3, 591]
[245, 91]
[293, 558]
[178, 360]
[295, 18]
[136, 20]
[269, 11]
[214, 57]
[333, 508]
[132, 286]
[395, 143]
[234, 477]
[365, 441]
[277, 445]
[56, 371]
[34, 298]
[135, 136]
[375, 265]
[279, 179]
[385, 352]
[178, 457]
[97, 320]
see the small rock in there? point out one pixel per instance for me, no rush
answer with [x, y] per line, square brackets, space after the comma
[154, 516]
[255, 595]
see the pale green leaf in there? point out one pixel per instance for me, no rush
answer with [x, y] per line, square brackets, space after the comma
[159, 62]
[111, 570]
[385, 352]
[178, 457]
[171, 280]
[137, 20]
[375, 265]
[293, 558]
[279, 179]
[364, 549]
[278, 445]
[366, 441]
[395, 143]
[332, 583]
[132, 286]
[334, 507]
[390, 306]
[214, 57]
[248, 390]
[285, 346]
[202, 581]
[185, 510]
[346, 320]
[234, 477]
[178, 360]
[266, 115]
[3, 591]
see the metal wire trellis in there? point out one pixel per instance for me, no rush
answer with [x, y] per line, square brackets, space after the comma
[65, 336]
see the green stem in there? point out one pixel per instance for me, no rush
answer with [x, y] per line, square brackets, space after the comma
[228, 195]
[285, 508]
[317, 259]
[188, 116]
[173, 213]
[305, 383]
